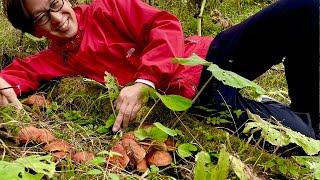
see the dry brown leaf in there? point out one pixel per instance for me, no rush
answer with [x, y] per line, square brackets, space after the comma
[82, 157]
[159, 158]
[120, 161]
[133, 149]
[142, 166]
[37, 100]
[58, 145]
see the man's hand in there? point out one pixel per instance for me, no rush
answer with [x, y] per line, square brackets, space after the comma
[8, 96]
[128, 103]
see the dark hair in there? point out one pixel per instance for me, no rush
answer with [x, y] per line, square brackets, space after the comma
[18, 16]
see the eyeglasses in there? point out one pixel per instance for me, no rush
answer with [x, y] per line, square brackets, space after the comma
[44, 17]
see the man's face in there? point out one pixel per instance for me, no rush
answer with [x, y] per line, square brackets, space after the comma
[58, 24]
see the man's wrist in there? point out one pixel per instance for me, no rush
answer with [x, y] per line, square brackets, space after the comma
[146, 82]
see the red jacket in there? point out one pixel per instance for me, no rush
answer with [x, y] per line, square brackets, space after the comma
[127, 38]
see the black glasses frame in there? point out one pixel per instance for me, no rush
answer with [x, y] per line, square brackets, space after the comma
[47, 13]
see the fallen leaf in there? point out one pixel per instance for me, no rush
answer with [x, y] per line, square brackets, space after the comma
[133, 149]
[142, 166]
[58, 146]
[83, 157]
[122, 160]
[37, 100]
[159, 158]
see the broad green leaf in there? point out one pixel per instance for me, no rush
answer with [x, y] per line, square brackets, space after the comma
[40, 164]
[141, 134]
[203, 169]
[157, 134]
[94, 172]
[102, 130]
[175, 102]
[281, 136]
[153, 133]
[110, 121]
[113, 176]
[186, 149]
[169, 131]
[191, 61]
[234, 80]
[98, 160]
[222, 168]
[240, 169]
[112, 85]
[10, 170]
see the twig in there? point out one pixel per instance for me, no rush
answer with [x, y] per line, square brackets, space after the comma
[199, 22]
[3, 144]
[234, 122]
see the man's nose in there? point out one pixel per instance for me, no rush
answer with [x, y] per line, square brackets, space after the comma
[56, 19]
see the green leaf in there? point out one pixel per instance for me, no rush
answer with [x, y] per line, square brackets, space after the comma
[279, 135]
[222, 168]
[191, 61]
[141, 134]
[40, 164]
[169, 131]
[234, 80]
[112, 85]
[98, 160]
[186, 149]
[17, 169]
[154, 169]
[110, 121]
[175, 102]
[203, 169]
[113, 176]
[239, 168]
[157, 134]
[153, 133]
[94, 172]
[102, 130]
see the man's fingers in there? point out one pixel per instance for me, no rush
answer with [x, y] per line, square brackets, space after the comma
[127, 116]
[117, 123]
[135, 110]
[118, 102]
[120, 117]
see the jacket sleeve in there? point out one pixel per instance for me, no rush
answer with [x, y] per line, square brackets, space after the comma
[158, 32]
[28, 72]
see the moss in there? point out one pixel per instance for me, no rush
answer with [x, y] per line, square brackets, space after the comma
[212, 139]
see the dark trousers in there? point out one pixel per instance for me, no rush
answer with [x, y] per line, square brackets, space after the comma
[286, 29]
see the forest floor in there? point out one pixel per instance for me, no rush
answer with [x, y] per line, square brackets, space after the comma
[77, 112]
